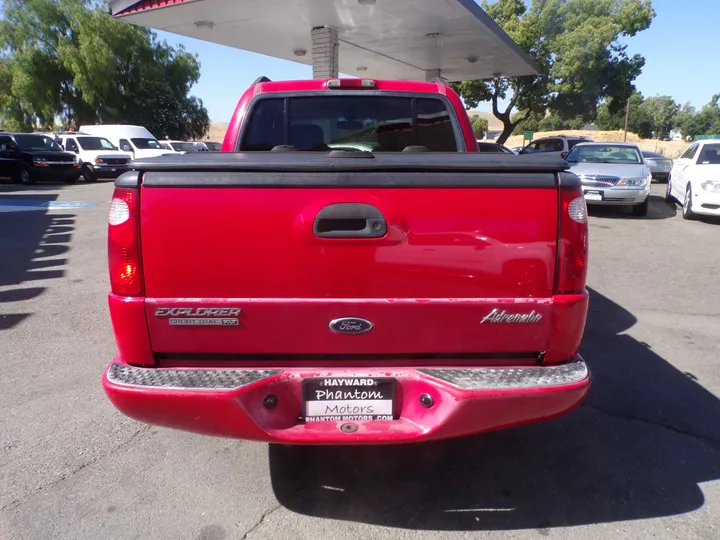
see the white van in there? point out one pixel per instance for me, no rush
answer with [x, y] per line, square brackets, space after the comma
[98, 157]
[136, 140]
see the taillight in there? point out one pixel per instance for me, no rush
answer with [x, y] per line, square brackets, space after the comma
[124, 243]
[572, 239]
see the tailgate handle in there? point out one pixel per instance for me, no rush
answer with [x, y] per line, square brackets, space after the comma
[350, 220]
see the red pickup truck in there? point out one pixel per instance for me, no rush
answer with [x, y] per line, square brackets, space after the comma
[348, 271]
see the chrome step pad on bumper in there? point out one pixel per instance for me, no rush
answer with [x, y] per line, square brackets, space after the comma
[191, 379]
[481, 378]
[511, 378]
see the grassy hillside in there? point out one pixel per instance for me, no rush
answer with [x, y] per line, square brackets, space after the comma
[493, 123]
[217, 132]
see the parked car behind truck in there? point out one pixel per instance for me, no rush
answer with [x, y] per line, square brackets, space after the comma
[417, 291]
[98, 157]
[695, 180]
[612, 174]
[134, 140]
[31, 157]
[659, 165]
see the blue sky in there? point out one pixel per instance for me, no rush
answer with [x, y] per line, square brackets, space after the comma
[677, 48]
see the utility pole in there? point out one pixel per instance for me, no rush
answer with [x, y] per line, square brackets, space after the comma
[627, 118]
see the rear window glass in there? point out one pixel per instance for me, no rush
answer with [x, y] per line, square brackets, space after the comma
[372, 123]
[571, 143]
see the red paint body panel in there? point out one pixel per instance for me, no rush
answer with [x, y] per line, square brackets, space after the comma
[240, 413]
[127, 314]
[402, 326]
[568, 326]
[316, 85]
[259, 243]
[450, 258]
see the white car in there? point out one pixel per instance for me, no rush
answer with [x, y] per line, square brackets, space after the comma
[179, 147]
[695, 180]
[98, 157]
[208, 146]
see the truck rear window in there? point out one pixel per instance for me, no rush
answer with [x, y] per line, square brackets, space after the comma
[372, 123]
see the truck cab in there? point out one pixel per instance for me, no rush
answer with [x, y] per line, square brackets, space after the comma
[350, 114]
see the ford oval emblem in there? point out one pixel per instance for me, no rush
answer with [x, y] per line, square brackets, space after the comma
[350, 325]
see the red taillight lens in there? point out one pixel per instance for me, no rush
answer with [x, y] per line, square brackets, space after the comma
[124, 243]
[572, 241]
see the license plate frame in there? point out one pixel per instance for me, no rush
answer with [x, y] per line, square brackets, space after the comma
[594, 195]
[353, 402]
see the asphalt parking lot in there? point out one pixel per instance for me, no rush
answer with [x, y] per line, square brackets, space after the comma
[640, 459]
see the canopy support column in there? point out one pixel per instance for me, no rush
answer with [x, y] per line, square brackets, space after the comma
[325, 57]
[432, 74]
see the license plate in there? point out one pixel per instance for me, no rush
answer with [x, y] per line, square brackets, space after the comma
[348, 398]
[593, 195]
[113, 170]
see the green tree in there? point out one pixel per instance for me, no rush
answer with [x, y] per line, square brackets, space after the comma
[712, 110]
[608, 120]
[576, 44]
[663, 111]
[704, 122]
[479, 125]
[641, 120]
[69, 62]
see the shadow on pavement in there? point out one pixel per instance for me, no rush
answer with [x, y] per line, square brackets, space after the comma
[43, 186]
[33, 245]
[647, 435]
[657, 209]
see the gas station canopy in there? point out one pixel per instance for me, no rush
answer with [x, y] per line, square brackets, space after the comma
[383, 39]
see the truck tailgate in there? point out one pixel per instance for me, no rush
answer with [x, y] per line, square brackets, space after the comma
[465, 266]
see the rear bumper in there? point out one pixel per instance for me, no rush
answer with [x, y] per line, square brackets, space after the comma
[109, 171]
[620, 196]
[55, 173]
[229, 402]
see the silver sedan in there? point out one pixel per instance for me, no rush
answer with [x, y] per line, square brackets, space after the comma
[659, 165]
[612, 174]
